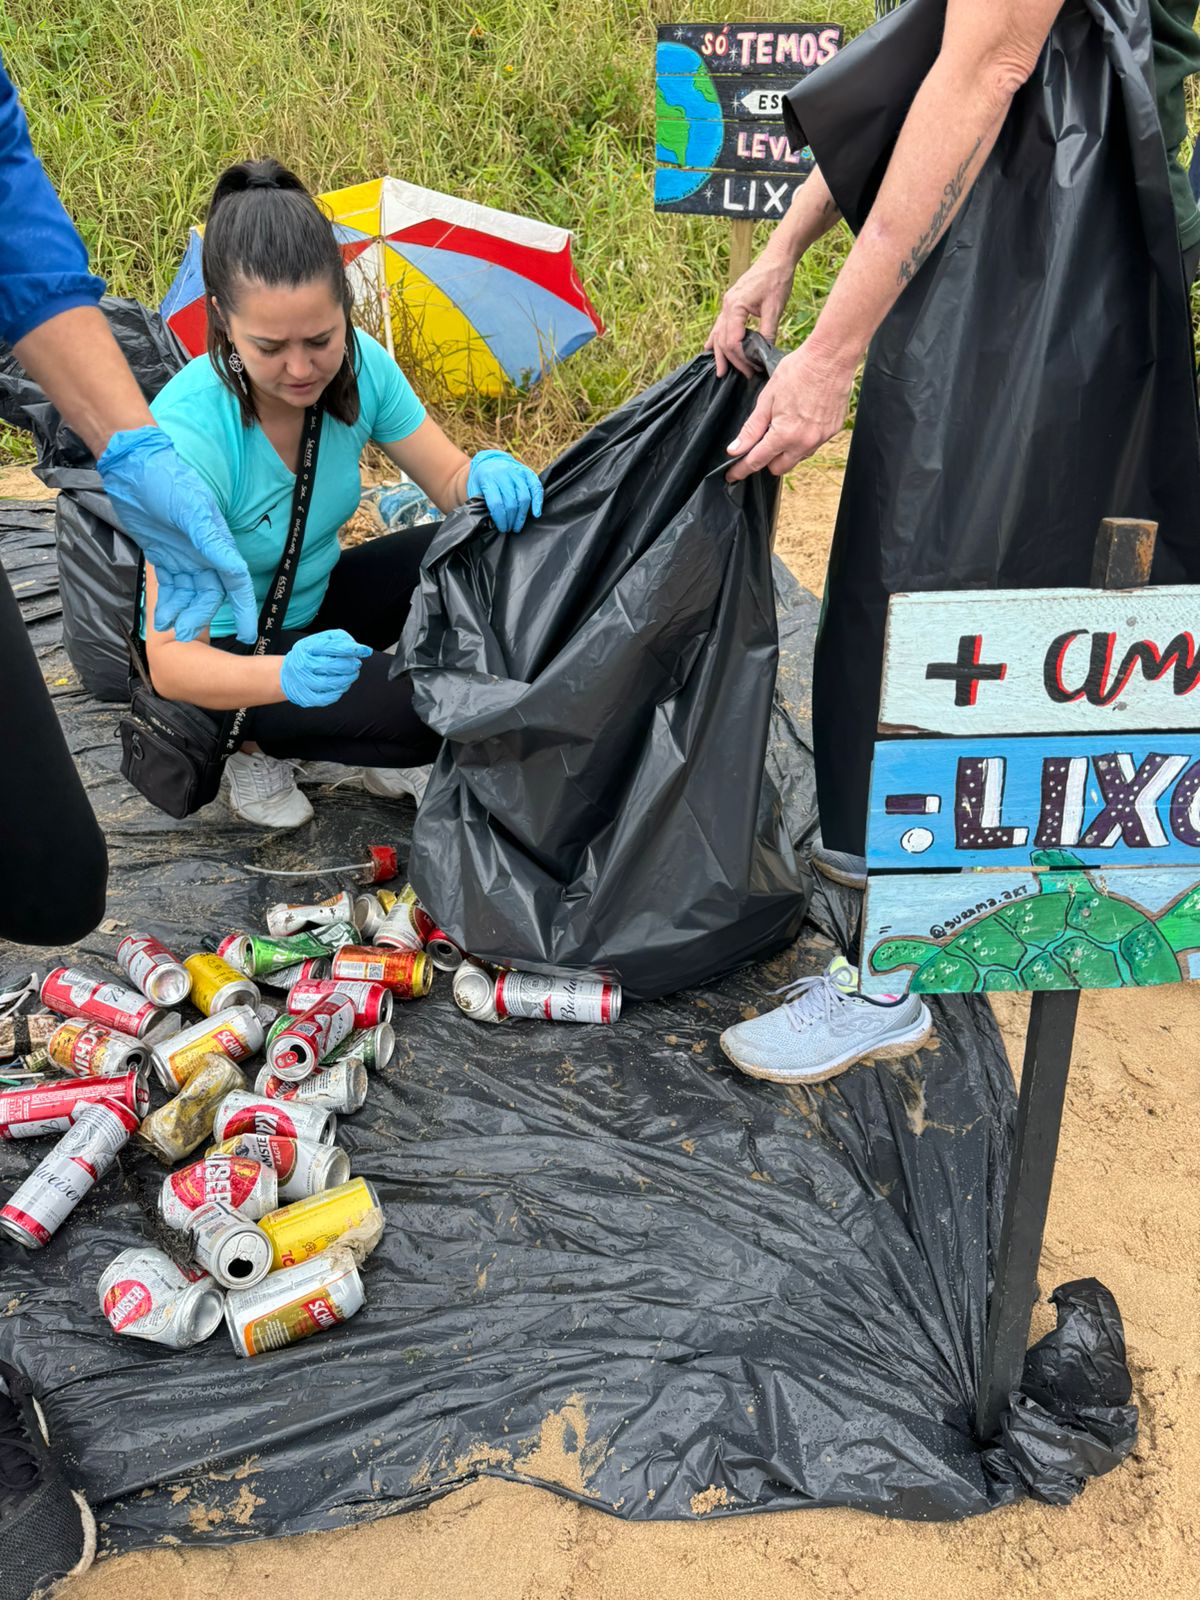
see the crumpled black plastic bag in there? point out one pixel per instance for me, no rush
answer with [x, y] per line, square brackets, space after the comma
[603, 681]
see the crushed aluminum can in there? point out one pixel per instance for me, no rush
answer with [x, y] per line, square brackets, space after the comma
[311, 971]
[40, 1205]
[145, 1294]
[237, 1181]
[342, 1087]
[77, 994]
[84, 1049]
[152, 969]
[336, 935]
[216, 986]
[294, 1304]
[234, 1250]
[295, 1049]
[373, 1002]
[407, 973]
[369, 1047]
[370, 910]
[301, 1166]
[406, 927]
[307, 1227]
[236, 1034]
[475, 992]
[286, 918]
[443, 952]
[257, 957]
[53, 1107]
[174, 1130]
[252, 1113]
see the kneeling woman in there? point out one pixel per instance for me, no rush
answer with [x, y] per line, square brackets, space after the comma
[279, 341]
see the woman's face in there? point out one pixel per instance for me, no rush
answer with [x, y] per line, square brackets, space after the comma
[291, 340]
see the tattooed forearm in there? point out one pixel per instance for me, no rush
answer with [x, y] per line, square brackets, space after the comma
[951, 195]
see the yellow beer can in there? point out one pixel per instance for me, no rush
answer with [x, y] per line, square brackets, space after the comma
[306, 1227]
[216, 985]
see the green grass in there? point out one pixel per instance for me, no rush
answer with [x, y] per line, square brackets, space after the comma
[544, 107]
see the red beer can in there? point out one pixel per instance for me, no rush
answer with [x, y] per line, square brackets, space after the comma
[52, 1107]
[76, 994]
[35, 1211]
[372, 1002]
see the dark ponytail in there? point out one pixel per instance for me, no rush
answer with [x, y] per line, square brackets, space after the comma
[264, 227]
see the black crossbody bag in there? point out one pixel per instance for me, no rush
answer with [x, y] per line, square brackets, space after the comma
[174, 753]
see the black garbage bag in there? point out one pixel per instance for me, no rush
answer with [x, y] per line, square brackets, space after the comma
[1034, 377]
[97, 560]
[603, 681]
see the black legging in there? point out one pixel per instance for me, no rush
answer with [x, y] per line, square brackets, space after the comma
[373, 724]
[53, 864]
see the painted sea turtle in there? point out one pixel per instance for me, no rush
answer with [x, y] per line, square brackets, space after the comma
[1066, 936]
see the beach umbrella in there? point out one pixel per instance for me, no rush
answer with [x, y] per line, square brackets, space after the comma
[482, 299]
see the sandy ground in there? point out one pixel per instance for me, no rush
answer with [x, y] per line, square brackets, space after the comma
[1124, 1210]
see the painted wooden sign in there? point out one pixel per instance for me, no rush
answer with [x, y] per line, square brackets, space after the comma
[1042, 660]
[720, 145]
[988, 802]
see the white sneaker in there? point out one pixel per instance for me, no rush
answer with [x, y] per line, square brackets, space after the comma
[825, 1026]
[329, 774]
[392, 782]
[263, 790]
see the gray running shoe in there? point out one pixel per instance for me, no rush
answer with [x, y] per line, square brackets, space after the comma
[839, 866]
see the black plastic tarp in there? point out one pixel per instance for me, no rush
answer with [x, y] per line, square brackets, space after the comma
[612, 1265]
[1034, 377]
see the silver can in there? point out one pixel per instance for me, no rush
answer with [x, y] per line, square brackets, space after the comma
[252, 1113]
[443, 952]
[236, 1034]
[475, 992]
[528, 994]
[373, 1002]
[284, 918]
[153, 969]
[341, 1088]
[369, 1047]
[229, 1246]
[311, 970]
[294, 1303]
[146, 1295]
[336, 935]
[301, 1166]
[240, 1182]
[60, 1180]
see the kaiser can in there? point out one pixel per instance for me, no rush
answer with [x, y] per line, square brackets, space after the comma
[256, 957]
[284, 919]
[307, 1227]
[52, 1107]
[75, 994]
[528, 994]
[233, 1249]
[443, 952]
[406, 927]
[301, 1166]
[293, 1305]
[174, 1130]
[252, 1113]
[297, 1048]
[61, 1179]
[342, 1087]
[235, 1034]
[147, 1295]
[86, 1050]
[373, 1002]
[238, 1181]
[153, 969]
[216, 986]
[475, 992]
[407, 973]
[369, 1047]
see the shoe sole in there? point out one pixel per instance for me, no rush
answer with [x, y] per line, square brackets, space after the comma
[891, 1051]
[848, 880]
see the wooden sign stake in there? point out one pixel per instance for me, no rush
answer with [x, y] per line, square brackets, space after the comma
[741, 246]
[1124, 549]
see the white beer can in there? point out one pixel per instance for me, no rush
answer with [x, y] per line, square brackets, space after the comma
[147, 1295]
[235, 1250]
[294, 1303]
[236, 1034]
[283, 919]
[240, 1112]
[40, 1205]
[302, 1167]
[341, 1088]
[237, 1181]
[156, 972]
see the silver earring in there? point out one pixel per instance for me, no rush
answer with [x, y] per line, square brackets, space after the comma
[236, 364]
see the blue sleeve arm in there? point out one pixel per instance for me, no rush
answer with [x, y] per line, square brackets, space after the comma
[43, 261]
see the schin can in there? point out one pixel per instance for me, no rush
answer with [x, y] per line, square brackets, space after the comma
[174, 1130]
[237, 1181]
[369, 1047]
[295, 1304]
[373, 1002]
[236, 1034]
[227, 1244]
[528, 994]
[341, 1087]
[443, 952]
[53, 1107]
[76, 994]
[306, 1227]
[301, 1166]
[147, 1295]
[216, 986]
[86, 1050]
[406, 927]
[258, 957]
[475, 992]
[152, 968]
[60, 1180]
[284, 919]
[253, 1113]
[310, 971]
[295, 1050]
[370, 910]
[407, 973]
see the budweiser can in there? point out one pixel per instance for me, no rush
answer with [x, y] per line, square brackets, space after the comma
[256, 957]
[443, 952]
[342, 1087]
[237, 1181]
[216, 986]
[370, 1047]
[297, 1048]
[370, 910]
[86, 1050]
[372, 1001]
[145, 1294]
[475, 992]
[301, 1166]
[52, 1107]
[235, 1034]
[153, 969]
[306, 1227]
[528, 994]
[74, 994]
[311, 971]
[174, 1130]
[406, 927]
[285, 919]
[233, 1249]
[407, 973]
[60, 1180]
[292, 1305]
[252, 1113]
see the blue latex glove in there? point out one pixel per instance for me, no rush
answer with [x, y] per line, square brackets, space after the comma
[319, 668]
[170, 511]
[511, 491]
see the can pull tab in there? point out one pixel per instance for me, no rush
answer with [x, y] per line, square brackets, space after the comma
[286, 1058]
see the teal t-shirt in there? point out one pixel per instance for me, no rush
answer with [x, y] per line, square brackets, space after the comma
[253, 487]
